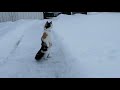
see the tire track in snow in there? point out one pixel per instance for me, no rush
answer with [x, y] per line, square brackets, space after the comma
[15, 47]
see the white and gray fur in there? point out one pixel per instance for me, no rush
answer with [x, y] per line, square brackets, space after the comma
[48, 40]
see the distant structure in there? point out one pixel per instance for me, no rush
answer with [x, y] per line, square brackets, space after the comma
[79, 12]
[48, 15]
[71, 13]
[13, 16]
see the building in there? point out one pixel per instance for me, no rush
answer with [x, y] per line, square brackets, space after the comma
[13, 16]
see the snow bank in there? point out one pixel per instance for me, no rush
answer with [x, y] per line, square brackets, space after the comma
[93, 41]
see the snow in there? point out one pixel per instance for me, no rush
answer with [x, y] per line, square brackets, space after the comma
[94, 42]
[84, 46]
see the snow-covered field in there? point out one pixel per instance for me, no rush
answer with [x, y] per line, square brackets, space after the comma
[84, 46]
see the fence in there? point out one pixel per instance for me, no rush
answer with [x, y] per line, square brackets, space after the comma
[13, 16]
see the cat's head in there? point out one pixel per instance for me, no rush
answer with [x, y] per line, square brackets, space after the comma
[48, 25]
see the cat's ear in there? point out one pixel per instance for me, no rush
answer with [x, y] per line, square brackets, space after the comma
[47, 22]
[51, 22]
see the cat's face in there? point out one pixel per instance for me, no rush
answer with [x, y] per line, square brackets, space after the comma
[48, 25]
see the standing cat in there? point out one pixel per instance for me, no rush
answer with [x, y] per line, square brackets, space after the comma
[46, 42]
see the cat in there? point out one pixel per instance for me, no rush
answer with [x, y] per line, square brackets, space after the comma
[46, 42]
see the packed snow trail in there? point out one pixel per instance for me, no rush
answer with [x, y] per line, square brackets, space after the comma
[21, 63]
[10, 38]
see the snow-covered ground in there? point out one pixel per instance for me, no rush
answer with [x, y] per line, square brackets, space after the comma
[84, 46]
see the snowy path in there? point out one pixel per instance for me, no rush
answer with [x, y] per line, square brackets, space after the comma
[21, 62]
